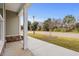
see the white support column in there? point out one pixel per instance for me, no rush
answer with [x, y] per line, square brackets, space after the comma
[3, 24]
[1, 28]
[25, 17]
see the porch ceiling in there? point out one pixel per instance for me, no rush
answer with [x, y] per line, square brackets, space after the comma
[15, 7]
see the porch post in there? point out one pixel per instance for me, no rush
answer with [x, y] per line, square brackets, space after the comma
[25, 39]
[3, 23]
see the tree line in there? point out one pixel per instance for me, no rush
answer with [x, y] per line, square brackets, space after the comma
[67, 24]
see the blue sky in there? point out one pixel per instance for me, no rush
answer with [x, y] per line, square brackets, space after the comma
[42, 11]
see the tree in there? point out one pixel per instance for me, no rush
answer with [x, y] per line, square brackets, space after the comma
[34, 26]
[69, 19]
[46, 24]
[29, 25]
[77, 26]
[39, 28]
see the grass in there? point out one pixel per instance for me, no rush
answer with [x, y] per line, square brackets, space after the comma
[70, 43]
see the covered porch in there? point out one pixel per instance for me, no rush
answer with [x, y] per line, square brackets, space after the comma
[10, 24]
[11, 43]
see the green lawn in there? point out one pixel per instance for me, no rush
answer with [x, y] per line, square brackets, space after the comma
[70, 43]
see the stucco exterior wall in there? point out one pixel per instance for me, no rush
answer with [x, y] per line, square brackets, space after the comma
[12, 23]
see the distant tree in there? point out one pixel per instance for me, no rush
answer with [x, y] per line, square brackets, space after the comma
[69, 19]
[34, 26]
[46, 24]
[39, 28]
[77, 26]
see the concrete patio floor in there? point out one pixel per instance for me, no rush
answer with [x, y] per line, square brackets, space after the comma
[16, 49]
[37, 48]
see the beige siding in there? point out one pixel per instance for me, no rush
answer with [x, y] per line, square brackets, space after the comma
[12, 23]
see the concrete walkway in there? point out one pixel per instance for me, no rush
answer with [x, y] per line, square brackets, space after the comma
[42, 48]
